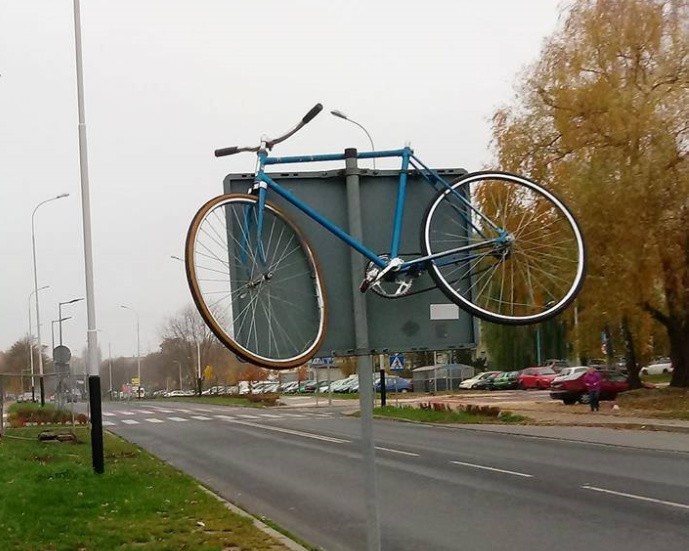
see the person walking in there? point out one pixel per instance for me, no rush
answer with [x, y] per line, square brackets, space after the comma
[593, 381]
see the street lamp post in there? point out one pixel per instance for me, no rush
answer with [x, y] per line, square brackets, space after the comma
[341, 115]
[35, 283]
[33, 387]
[52, 329]
[138, 351]
[59, 312]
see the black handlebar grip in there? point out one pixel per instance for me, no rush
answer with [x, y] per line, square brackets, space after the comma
[226, 151]
[311, 114]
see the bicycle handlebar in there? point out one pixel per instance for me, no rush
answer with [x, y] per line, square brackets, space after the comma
[225, 151]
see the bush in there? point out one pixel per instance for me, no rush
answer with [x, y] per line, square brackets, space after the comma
[22, 414]
[267, 399]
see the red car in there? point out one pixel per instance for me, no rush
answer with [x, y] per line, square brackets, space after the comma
[536, 377]
[571, 389]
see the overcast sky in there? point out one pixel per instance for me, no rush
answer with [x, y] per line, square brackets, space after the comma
[168, 81]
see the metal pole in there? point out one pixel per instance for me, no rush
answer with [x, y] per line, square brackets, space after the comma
[330, 390]
[35, 283]
[538, 344]
[364, 363]
[92, 335]
[59, 316]
[138, 357]
[198, 367]
[33, 383]
[110, 369]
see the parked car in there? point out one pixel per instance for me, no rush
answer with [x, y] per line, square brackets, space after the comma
[393, 384]
[473, 383]
[538, 378]
[486, 383]
[657, 367]
[556, 365]
[571, 388]
[26, 397]
[507, 380]
[175, 393]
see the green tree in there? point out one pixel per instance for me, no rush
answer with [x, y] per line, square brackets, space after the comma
[601, 119]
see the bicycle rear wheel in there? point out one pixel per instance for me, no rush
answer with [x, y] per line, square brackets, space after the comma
[264, 300]
[522, 259]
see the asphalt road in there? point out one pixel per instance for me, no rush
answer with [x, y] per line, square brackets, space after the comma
[440, 488]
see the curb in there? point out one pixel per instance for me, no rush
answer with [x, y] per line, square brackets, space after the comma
[282, 538]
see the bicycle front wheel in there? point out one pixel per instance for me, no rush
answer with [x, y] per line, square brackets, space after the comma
[261, 296]
[507, 250]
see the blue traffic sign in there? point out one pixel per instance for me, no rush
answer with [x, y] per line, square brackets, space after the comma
[396, 362]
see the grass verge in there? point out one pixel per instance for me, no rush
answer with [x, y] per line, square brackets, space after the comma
[446, 415]
[52, 500]
[667, 402]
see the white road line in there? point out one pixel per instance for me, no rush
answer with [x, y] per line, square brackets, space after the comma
[294, 415]
[640, 498]
[247, 416]
[108, 424]
[397, 451]
[178, 419]
[270, 416]
[108, 414]
[295, 432]
[183, 410]
[204, 410]
[127, 412]
[201, 418]
[225, 417]
[130, 421]
[163, 410]
[154, 420]
[145, 412]
[491, 469]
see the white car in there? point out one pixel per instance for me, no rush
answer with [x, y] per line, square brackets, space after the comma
[471, 383]
[657, 368]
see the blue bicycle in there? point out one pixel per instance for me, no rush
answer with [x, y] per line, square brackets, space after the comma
[496, 244]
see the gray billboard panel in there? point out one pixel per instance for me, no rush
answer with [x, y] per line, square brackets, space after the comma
[422, 321]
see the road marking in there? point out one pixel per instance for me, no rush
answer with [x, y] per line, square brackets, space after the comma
[145, 412]
[247, 416]
[295, 432]
[294, 415]
[178, 419]
[183, 410]
[491, 469]
[108, 424]
[225, 417]
[154, 420]
[200, 418]
[127, 412]
[270, 416]
[108, 414]
[163, 410]
[204, 410]
[397, 451]
[640, 498]
[130, 421]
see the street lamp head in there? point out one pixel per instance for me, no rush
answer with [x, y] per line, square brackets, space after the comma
[339, 114]
[62, 195]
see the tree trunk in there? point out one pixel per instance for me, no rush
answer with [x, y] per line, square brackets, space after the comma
[679, 353]
[630, 355]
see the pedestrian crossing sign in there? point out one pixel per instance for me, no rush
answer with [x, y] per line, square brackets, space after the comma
[396, 362]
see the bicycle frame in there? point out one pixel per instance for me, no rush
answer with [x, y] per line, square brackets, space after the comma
[263, 182]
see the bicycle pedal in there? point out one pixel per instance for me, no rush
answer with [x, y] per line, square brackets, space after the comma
[365, 284]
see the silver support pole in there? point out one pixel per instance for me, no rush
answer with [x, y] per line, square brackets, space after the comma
[92, 335]
[364, 363]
